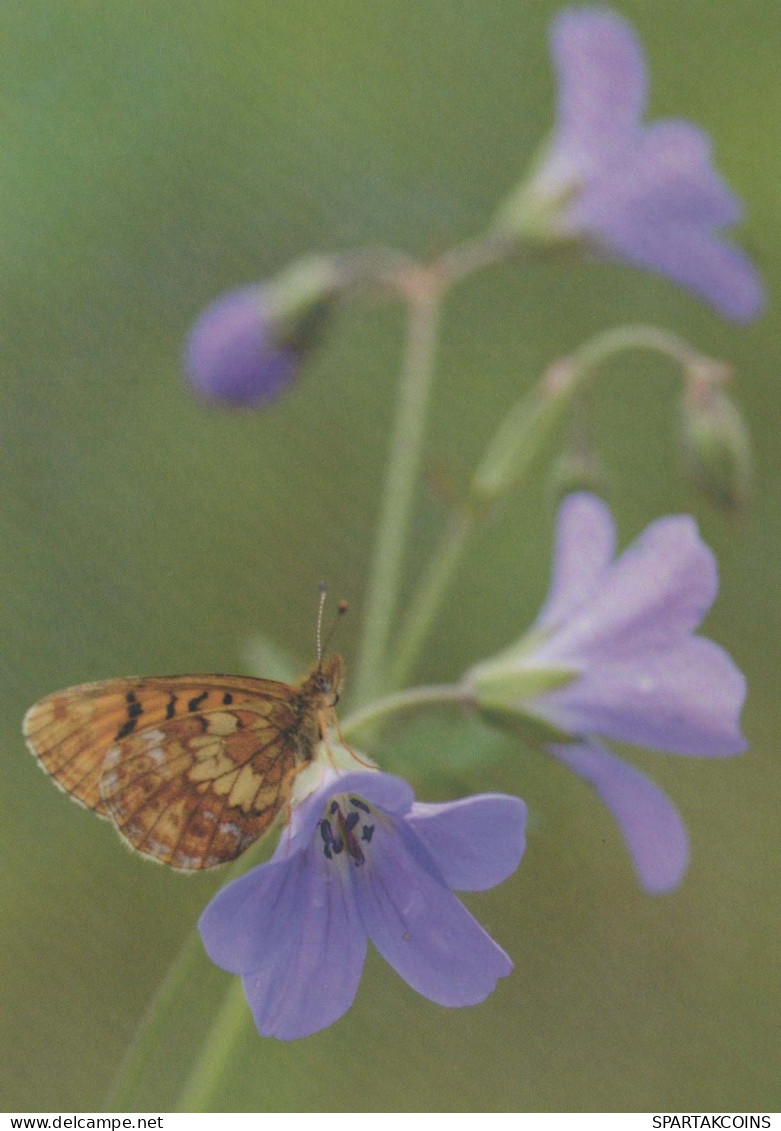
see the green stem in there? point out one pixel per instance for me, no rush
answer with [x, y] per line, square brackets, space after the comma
[436, 695]
[123, 1093]
[217, 1050]
[474, 255]
[639, 337]
[428, 597]
[151, 1031]
[442, 565]
[399, 493]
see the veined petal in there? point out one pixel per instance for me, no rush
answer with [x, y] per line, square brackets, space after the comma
[314, 979]
[476, 842]
[654, 832]
[355, 866]
[585, 544]
[250, 920]
[685, 699]
[421, 928]
[654, 594]
[302, 957]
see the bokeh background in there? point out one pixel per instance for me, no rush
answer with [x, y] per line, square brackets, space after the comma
[157, 154]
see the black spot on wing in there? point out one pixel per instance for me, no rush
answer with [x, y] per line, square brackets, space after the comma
[133, 709]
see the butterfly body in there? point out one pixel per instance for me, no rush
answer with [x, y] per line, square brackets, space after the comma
[190, 769]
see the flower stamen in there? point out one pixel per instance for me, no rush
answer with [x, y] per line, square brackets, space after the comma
[344, 827]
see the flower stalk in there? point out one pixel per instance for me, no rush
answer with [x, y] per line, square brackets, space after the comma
[402, 476]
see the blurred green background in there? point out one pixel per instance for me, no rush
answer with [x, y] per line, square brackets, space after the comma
[157, 154]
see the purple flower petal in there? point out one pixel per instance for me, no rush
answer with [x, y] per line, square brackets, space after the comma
[476, 842]
[585, 544]
[230, 354]
[603, 88]
[662, 203]
[672, 172]
[249, 919]
[627, 632]
[685, 700]
[422, 929]
[293, 932]
[651, 826]
[656, 592]
[354, 865]
[388, 792]
[622, 634]
[715, 269]
[313, 978]
[647, 194]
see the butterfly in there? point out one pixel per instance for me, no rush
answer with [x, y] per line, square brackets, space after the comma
[191, 769]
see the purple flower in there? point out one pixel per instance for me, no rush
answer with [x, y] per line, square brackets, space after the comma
[614, 654]
[362, 860]
[231, 354]
[645, 194]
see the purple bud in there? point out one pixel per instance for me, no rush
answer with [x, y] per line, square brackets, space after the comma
[248, 345]
[230, 354]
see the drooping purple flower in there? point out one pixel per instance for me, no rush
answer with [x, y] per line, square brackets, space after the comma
[362, 860]
[646, 194]
[614, 654]
[231, 354]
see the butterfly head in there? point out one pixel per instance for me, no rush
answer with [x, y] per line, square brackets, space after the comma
[327, 678]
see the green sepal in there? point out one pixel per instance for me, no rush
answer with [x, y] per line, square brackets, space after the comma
[300, 301]
[503, 688]
[522, 435]
[717, 447]
[531, 212]
[534, 731]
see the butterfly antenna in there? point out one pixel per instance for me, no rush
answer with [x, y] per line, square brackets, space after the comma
[319, 634]
[340, 611]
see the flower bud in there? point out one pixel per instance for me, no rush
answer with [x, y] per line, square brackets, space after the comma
[716, 445]
[523, 433]
[248, 345]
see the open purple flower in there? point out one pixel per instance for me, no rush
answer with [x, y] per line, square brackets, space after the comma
[614, 654]
[645, 194]
[362, 860]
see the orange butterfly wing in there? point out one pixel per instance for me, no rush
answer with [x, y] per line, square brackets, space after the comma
[190, 769]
